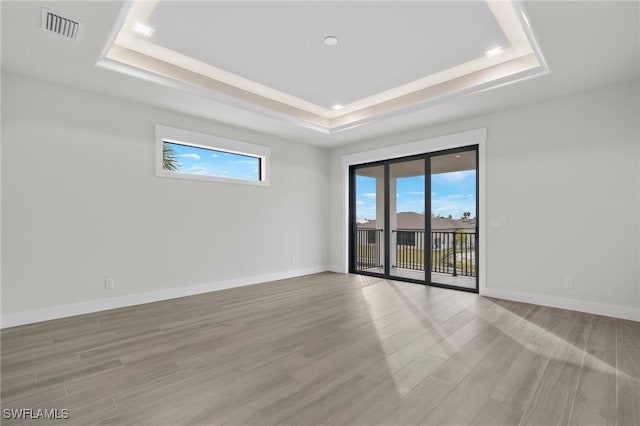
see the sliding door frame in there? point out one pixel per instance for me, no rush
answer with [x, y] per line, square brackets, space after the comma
[426, 157]
[388, 217]
[430, 155]
[351, 208]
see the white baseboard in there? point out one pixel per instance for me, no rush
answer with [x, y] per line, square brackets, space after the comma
[62, 311]
[616, 311]
[337, 268]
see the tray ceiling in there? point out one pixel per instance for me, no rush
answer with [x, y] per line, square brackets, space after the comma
[390, 57]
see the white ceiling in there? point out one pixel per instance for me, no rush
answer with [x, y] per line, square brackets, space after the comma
[390, 57]
[585, 44]
[382, 45]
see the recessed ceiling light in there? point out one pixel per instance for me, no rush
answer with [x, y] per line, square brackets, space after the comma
[331, 40]
[337, 107]
[458, 156]
[143, 29]
[494, 52]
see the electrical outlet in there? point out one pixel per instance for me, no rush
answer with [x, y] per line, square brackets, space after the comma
[108, 283]
[293, 260]
[568, 283]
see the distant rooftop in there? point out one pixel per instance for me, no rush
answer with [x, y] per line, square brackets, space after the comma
[413, 220]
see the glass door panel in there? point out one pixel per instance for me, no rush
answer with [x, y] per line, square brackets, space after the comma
[415, 218]
[407, 219]
[368, 246]
[454, 219]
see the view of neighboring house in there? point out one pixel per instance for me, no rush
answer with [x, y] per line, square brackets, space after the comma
[409, 224]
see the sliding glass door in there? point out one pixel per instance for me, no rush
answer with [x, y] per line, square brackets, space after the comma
[415, 219]
[453, 201]
[407, 219]
[368, 222]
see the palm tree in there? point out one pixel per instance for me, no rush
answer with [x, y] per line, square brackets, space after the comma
[169, 159]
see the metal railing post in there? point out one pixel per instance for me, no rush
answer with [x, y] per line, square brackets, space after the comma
[455, 266]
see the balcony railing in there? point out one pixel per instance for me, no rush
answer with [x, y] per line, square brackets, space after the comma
[452, 252]
[368, 253]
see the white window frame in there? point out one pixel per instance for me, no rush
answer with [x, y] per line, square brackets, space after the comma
[216, 143]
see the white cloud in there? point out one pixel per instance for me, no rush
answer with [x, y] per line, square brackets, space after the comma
[358, 202]
[369, 194]
[453, 207]
[194, 156]
[453, 177]
[214, 155]
[197, 170]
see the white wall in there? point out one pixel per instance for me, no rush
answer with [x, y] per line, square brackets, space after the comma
[82, 202]
[563, 176]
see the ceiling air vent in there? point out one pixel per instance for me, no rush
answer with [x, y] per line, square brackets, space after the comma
[59, 24]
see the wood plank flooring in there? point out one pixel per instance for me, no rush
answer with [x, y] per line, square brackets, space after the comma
[327, 349]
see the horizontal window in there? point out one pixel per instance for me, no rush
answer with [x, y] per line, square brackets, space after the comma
[191, 155]
[183, 158]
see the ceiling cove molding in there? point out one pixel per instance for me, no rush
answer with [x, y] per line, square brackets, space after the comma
[151, 69]
[126, 53]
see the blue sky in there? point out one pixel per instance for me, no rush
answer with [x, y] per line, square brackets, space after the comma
[451, 194]
[207, 162]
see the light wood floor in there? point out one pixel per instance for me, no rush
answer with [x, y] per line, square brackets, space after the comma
[328, 349]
